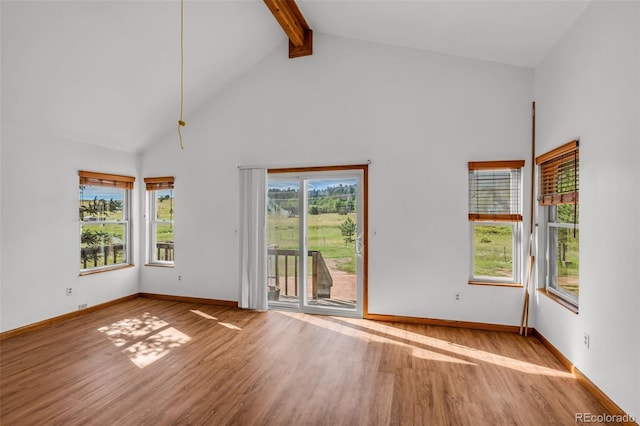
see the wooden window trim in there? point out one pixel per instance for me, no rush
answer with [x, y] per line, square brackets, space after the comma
[104, 179]
[495, 165]
[553, 200]
[567, 148]
[495, 283]
[158, 183]
[477, 217]
[565, 304]
[363, 167]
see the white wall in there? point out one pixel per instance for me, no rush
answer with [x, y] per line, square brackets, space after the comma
[588, 87]
[40, 228]
[418, 116]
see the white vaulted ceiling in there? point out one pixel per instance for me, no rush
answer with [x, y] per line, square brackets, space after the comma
[107, 72]
[507, 31]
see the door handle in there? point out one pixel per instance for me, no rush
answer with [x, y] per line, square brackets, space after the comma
[359, 245]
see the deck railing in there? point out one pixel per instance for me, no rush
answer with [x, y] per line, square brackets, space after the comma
[95, 255]
[88, 254]
[165, 251]
[280, 262]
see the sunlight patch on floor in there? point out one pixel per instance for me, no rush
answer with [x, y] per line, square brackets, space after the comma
[418, 352]
[231, 326]
[155, 347]
[420, 345]
[203, 314]
[129, 329]
[466, 351]
[145, 338]
[207, 316]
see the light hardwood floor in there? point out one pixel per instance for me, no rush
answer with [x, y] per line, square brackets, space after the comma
[155, 362]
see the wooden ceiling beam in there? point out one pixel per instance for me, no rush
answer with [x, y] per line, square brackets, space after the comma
[294, 25]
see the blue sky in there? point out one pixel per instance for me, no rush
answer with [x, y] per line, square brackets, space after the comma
[104, 193]
[90, 192]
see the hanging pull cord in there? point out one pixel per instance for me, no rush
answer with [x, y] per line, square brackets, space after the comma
[181, 122]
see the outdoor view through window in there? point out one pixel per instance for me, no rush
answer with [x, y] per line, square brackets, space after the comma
[331, 230]
[161, 226]
[104, 226]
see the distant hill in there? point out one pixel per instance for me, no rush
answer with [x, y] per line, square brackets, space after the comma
[331, 199]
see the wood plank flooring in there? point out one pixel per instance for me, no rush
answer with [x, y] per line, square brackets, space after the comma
[156, 362]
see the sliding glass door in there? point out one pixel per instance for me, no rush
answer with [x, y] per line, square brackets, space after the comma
[283, 240]
[315, 241]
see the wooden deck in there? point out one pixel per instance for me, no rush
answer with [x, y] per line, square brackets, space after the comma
[155, 362]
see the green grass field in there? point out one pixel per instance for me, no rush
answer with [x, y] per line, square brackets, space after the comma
[493, 255]
[324, 235]
[567, 260]
[113, 233]
[164, 232]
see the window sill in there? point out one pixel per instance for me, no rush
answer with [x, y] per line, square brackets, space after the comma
[495, 283]
[161, 265]
[569, 306]
[98, 271]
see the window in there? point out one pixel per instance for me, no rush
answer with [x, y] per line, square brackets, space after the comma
[160, 199]
[558, 194]
[104, 211]
[495, 217]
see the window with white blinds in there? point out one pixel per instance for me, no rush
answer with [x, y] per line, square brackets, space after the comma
[495, 216]
[495, 190]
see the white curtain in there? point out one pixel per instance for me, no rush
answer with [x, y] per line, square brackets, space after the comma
[253, 247]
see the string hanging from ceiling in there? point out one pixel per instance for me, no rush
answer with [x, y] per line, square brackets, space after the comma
[181, 122]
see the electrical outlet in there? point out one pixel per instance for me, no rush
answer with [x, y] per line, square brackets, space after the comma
[457, 296]
[82, 306]
[586, 339]
[179, 277]
[69, 291]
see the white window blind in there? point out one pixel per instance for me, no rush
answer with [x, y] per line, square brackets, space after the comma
[495, 190]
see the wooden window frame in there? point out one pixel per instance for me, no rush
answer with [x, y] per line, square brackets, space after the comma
[126, 183]
[365, 229]
[564, 159]
[159, 183]
[106, 180]
[152, 185]
[513, 219]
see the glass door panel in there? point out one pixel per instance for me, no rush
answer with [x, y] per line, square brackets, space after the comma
[331, 227]
[283, 241]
